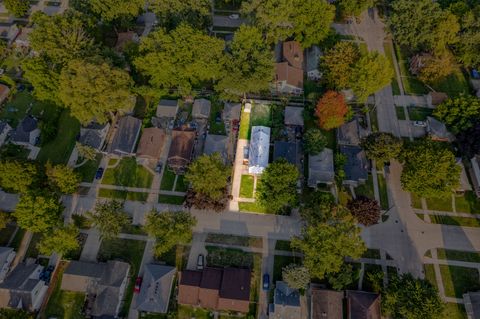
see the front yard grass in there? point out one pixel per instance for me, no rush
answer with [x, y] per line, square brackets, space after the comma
[228, 257]
[388, 47]
[372, 281]
[123, 195]
[400, 112]
[168, 179]
[467, 203]
[182, 184]
[459, 280]
[127, 250]
[227, 239]
[175, 257]
[283, 245]
[455, 221]
[416, 201]
[419, 113]
[454, 84]
[279, 262]
[87, 171]
[366, 189]
[382, 189]
[454, 311]
[171, 199]
[443, 204]
[246, 186]
[469, 256]
[371, 253]
[127, 173]
[430, 274]
[252, 207]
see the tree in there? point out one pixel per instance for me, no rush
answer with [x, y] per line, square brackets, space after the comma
[61, 240]
[181, 59]
[296, 277]
[468, 141]
[63, 177]
[331, 110]
[429, 169]
[169, 229]
[44, 78]
[109, 218]
[209, 176]
[317, 205]
[278, 187]
[17, 177]
[4, 219]
[459, 113]
[371, 73]
[353, 7]
[37, 213]
[85, 151]
[249, 67]
[18, 8]
[437, 67]
[468, 45]
[195, 12]
[337, 64]
[382, 147]
[325, 244]
[91, 91]
[410, 298]
[314, 141]
[342, 279]
[365, 210]
[113, 9]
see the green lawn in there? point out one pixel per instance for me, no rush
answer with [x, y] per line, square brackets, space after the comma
[454, 220]
[182, 184]
[400, 112]
[16, 109]
[366, 189]
[473, 257]
[443, 204]
[459, 280]
[374, 120]
[411, 84]
[127, 173]
[171, 199]
[430, 274]
[59, 149]
[128, 250]
[279, 262]
[228, 257]
[454, 84]
[246, 186]
[216, 128]
[244, 130]
[88, 170]
[261, 115]
[468, 203]
[382, 189]
[416, 201]
[419, 113]
[252, 207]
[124, 195]
[388, 47]
[185, 312]
[168, 179]
[454, 311]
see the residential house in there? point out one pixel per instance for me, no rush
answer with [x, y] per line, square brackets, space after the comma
[259, 149]
[475, 173]
[4, 92]
[125, 38]
[22, 288]
[103, 283]
[351, 133]
[94, 135]
[363, 305]
[126, 136]
[320, 168]
[472, 304]
[201, 109]
[7, 254]
[151, 144]
[325, 303]
[436, 98]
[217, 144]
[313, 55]
[155, 291]
[293, 116]
[9, 32]
[225, 289]
[286, 303]
[286, 150]
[5, 128]
[167, 108]
[289, 71]
[437, 130]
[27, 132]
[356, 166]
[181, 150]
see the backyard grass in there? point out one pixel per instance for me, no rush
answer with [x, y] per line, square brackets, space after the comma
[216, 110]
[454, 84]
[279, 262]
[168, 179]
[454, 311]
[244, 130]
[185, 312]
[473, 257]
[88, 170]
[252, 207]
[366, 189]
[467, 203]
[416, 201]
[459, 280]
[454, 220]
[400, 112]
[171, 199]
[228, 257]
[430, 274]
[124, 195]
[443, 204]
[182, 184]
[382, 189]
[16, 109]
[419, 113]
[127, 173]
[261, 115]
[127, 250]
[246, 186]
[388, 47]
[59, 149]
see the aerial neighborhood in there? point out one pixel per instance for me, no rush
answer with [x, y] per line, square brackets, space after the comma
[240, 159]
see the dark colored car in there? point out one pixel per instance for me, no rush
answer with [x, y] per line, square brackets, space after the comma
[138, 284]
[99, 173]
[266, 282]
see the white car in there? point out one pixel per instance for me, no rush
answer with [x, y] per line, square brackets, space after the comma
[234, 16]
[419, 123]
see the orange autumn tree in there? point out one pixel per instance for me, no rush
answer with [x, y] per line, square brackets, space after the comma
[331, 110]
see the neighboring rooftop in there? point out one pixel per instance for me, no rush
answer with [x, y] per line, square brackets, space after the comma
[201, 108]
[350, 133]
[326, 304]
[151, 143]
[25, 130]
[356, 166]
[155, 291]
[294, 115]
[321, 168]
[126, 136]
[286, 150]
[259, 149]
[94, 135]
[363, 305]
[167, 108]
[216, 144]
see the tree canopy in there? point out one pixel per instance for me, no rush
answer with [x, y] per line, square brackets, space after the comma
[314, 141]
[92, 90]
[353, 7]
[16, 176]
[331, 110]
[195, 12]
[278, 187]
[459, 113]
[37, 213]
[109, 218]
[429, 169]
[337, 64]
[382, 146]
[110, 10]
[317, 206]
[365, 210]
[181, 59]
[18, 8]
[169, 229]
[296, 277]
[43, 76]
[249, 66]
[61, 240]
[63, 177]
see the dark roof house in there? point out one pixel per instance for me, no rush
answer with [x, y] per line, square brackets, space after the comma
[155, 291]
[94, 135]
[321, 168]
[286, 303]
[126, 136]
[351, 133]
[216, 144]
[151, 143]
[167, 108]
[286, 150]
[294, 116]
[181, 150]
[201, 109]
[326, 303]
[438, 130]
[26, 132]
[363, 305]
[356, 166]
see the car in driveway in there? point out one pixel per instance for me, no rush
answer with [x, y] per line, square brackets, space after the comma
[200, 262]
[266, 282]
[234, 16]
[419, 123]
[99, 173]
[138, 284]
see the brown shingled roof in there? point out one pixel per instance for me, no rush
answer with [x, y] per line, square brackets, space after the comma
[293, 54]
[363, 305]
[151, 143]
[326, 304]
[181, 149]
[236, 284]
[285, 72]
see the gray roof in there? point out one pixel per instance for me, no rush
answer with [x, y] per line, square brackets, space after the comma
[350, 133]
[126, 135]
[326, 304]
[312, 57]
[4, 125]
[216, 144]
[294, 115]
[284, 295]
[154, 294]
[259, 149]
[437, 128]
[91, 138]
[23, 130]
[472, 304]
[356, 166]
[19, 277]
[286, 150]
[231, 111]
[201, 108]
[167, 108]
[321, 168]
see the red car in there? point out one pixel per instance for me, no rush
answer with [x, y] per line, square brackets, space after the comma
[138, 284]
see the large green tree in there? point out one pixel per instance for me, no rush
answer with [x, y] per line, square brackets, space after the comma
[43, 76]
[296, 277]
[113, 9]
[16, 176]
[249, 64]
[382, 146]
[337, 64]
[18, 8]
[37, 213]
[410, 298]
[92, 91]
[109, 218]
[181, 59]
[61, 240]
[63, 177]
[314, 141]
[459, 113]
[172, 12]
[468, 45]
[277, 190]
[169, 229]
[371, 73]
[353, 7]
[429, 169]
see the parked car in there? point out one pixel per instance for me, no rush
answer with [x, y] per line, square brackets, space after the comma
[419, 123]
[158, 168]
[234, 16]
[200, 262]
[266, 282]
[99, 173]
[138, 284]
